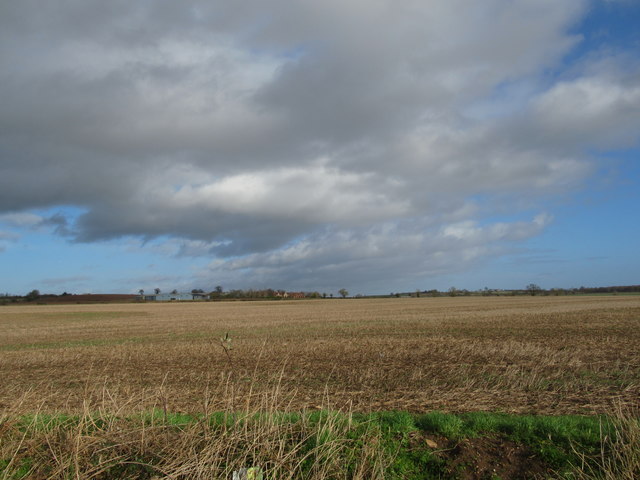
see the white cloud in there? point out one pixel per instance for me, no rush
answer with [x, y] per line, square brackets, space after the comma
[21, 219]
[8, 235]
[599, 111]
[6, 239]
[345, 256]
[315, 193]
[283, 138]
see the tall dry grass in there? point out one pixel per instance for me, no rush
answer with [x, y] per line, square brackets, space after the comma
[104, 442]
[619, 457]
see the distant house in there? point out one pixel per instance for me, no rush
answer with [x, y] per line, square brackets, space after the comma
[297, 295]
[173, 297]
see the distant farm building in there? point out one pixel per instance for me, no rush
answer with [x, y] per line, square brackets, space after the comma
[292, 295]
[173, 297]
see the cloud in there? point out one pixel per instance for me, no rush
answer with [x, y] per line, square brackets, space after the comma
[343, 257]
[599, 110]
[57, 222]
[7, 238]
[277, 138]
[21, 219]
[8, 235]
[68, 282]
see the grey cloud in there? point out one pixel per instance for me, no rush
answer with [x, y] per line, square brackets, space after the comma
[366, 256]
[59, 223]
[166, 283]
[21, 219]
[602, 112]
[242, 129]
[6, 239]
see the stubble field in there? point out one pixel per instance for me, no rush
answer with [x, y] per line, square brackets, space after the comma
[542, 355]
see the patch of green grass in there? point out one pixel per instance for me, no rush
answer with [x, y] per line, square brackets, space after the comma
[553, 438]
[92, 342]
[397, 436]
[98, 342]
[159, 416]
[448, 425]
[41, 422]
[394, 422]
[22, 470]
[70, 316]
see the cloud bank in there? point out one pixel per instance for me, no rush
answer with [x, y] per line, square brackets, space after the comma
[310, 144]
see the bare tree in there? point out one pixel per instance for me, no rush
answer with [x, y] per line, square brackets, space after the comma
[32, 295]
[532, 288]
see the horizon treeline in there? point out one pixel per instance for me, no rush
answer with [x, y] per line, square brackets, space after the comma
[235, 294]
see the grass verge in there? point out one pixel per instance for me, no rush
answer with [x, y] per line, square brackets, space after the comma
[317, 445]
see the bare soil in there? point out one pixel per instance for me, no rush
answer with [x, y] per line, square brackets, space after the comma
[486, 457]
[494, 457]
[86, 298]
[546, 355]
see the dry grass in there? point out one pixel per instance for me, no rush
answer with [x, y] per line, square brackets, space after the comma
[546, 355]
[619, 457]
[102, 443]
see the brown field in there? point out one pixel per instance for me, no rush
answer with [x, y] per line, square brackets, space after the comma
[548, 355]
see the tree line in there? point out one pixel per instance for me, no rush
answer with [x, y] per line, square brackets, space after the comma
[531, 289]
[218, 293]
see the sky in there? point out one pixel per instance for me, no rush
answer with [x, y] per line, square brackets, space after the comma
[378, 146]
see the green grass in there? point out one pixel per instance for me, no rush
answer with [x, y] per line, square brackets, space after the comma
[561, 442]
[73, 343]
[98, 342]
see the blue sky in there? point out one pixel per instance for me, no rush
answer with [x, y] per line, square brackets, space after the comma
[450, 143]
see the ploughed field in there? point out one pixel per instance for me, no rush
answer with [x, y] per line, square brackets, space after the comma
[543, 355]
